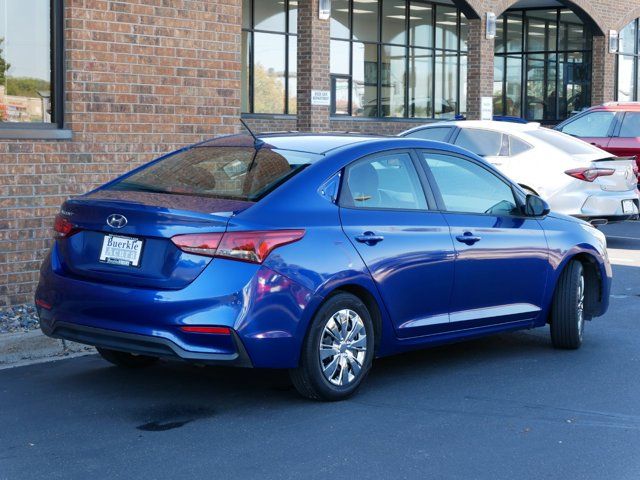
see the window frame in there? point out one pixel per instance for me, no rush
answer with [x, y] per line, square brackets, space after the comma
[251, 31]
[518, 195]
[435, 52]
[423, 182]
[56, 129]
[635, 56]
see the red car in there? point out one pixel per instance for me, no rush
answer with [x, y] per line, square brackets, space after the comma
[614, 127]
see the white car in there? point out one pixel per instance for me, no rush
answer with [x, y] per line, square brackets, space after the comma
[574, 177]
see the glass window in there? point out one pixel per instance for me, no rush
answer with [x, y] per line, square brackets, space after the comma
[547, 55]
[628, 70]
[596, 124]
[219, 172]
[340, 95]
[395, 72]
[517, 146]
[269, 56]
[630, 125]
[394, 21]
[485, 143]
[28, 62]
[467, 187]
[566, 143]
[383, 182]
[438, 134]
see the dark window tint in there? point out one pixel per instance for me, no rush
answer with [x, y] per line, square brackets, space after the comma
[518, 146]
[240, 173]
[630, 125]
[439, 134]
[467, 187]
[385, 182]
[481, 142]
[594, 124]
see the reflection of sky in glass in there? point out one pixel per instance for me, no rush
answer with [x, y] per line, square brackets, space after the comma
[24, 25]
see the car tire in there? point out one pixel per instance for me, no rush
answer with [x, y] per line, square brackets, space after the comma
[126, 360]
[567, 309]
[333, 363]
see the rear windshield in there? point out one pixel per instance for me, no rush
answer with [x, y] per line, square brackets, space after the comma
[239, 173]
[566, 143]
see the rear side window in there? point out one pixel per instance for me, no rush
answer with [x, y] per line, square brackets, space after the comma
[518, 146]
[630, 125]
[438, 134]
[595, 124]
[383, 182]
[485, 143]
[467, 187]
[238, 173]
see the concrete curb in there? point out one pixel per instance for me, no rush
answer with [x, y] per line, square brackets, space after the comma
[23, 348]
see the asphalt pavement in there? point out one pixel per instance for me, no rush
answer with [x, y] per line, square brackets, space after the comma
[503, 407]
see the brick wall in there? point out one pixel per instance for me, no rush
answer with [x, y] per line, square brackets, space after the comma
[143, 77]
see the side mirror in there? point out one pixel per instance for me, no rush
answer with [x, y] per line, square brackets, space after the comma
[536, 207]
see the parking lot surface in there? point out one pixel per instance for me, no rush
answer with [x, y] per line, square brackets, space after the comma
[507, 406]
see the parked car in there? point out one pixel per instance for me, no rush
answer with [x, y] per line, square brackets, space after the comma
[315, 254]
[575, 178]
[614, 127]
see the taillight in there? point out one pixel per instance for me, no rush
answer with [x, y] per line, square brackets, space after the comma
[63, 227]
[252, 246]
[589, 174]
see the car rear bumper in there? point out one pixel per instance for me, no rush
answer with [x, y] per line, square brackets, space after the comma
[144, 344]
[609, 206]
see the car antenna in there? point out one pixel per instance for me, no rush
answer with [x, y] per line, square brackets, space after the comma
[257, 143]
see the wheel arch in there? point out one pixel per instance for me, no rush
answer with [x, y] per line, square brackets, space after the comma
[369, 301]
[593, 279]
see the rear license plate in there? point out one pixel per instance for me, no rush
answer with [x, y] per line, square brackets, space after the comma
[628, 206]
[124, 251]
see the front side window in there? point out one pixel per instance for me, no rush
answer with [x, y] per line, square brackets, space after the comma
[31, 79]
[628, 73]
[485, 143]
[542, 65]
[596, 124]
[383, 182]
[466, 187]
[269, 58]
[398, 58]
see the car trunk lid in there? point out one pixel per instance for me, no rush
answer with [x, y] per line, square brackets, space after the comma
[151, 219]
[623, 178]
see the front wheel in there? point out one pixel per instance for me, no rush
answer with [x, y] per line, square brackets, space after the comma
[127, 360]
[567, 310]
[338, 351]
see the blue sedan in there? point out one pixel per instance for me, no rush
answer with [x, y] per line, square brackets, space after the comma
[314, 253]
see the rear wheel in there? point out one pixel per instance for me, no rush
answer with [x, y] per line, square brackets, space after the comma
[338, 351]
[127, 360]
[567, 310]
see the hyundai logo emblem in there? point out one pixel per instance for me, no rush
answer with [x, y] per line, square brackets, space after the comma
[116, 220]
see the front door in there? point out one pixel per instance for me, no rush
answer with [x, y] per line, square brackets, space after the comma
[406, 247]
[501, 256]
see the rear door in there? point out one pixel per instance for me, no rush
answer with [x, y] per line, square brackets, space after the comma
[501, 257]
[595, 127]
[626, 139]
[405, 245]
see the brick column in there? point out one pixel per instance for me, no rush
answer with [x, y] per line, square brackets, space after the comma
[480, 66]
[603, 82]
[313, 66]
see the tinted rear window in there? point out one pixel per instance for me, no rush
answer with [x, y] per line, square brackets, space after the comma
[239, 173]
[566, 143]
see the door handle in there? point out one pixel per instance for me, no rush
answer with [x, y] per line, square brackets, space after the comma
[596, 144]
[468, 238]
[369, 238]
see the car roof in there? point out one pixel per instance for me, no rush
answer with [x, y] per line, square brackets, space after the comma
[618, 107]
[320, 143]
[485, 124]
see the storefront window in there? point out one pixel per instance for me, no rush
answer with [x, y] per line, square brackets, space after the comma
[548, 52]
[411, 63]
[31, 77]
[628, 71]
[269, 60]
